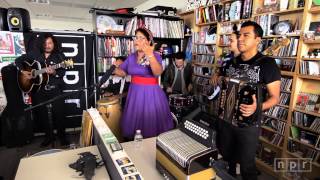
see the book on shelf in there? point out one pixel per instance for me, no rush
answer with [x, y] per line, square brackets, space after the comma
[112, 47]
[285, 99]
[295, 132]
[278, 112]
[267, 21]
[308, 137]
[204, 49]
[286, 84]
[308, 102]
[204, 59]
[274, 124]
[306, 120]
[301, 150]
[310, 68]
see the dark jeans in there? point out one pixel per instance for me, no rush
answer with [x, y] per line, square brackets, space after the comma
[58, 115]
[239, 145]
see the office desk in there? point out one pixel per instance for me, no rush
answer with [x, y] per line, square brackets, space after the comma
[144, 158]
[55, 166]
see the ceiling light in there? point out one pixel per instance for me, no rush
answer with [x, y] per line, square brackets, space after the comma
[39, 1]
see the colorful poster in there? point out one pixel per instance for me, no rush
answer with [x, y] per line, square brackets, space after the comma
[6, 43]
[18, 41]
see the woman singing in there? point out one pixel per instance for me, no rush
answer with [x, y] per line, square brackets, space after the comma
[146, 107]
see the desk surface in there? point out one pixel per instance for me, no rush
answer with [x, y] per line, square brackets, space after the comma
[144, 158]
[56, 166]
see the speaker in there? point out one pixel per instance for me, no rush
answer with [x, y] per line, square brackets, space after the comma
[3, 19]
[18, 19]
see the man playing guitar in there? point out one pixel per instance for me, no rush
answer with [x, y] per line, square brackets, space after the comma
[50, 114]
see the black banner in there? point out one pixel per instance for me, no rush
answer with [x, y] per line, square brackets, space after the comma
[79, 48]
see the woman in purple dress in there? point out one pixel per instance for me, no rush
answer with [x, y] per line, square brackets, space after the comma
[147, 107]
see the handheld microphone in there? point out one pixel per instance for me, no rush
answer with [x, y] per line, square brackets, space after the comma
[106, 76]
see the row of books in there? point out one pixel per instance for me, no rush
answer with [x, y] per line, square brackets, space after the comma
[160, 28]
[103, 64]
[306, 120]
[286, 64]
[304, 136]
[310, 68]
[308, 102]
[266, 22]
[278, 112]
[204, 49]
[285, 84]
[229, 11]
[206, 71]
[273, 138]
[114, 46]
[205, 59]
[266, 154]
[300, 150]
[224, 40]
[285, 99]
[203, 36]
[274, 124]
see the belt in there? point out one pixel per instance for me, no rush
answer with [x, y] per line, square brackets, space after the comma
[49, 87]
[144, 80]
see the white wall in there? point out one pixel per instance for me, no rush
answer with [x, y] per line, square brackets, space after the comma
[179, 4]
[60, 25]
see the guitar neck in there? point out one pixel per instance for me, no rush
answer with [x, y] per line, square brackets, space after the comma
[43, 70]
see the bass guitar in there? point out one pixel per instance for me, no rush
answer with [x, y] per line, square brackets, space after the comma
[39, 75]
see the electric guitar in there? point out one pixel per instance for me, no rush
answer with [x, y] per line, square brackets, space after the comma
[39, 75]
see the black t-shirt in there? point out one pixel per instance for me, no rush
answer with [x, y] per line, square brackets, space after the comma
[259, 69]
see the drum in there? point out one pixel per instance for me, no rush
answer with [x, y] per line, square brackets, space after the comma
[180, 100]
[111, 110]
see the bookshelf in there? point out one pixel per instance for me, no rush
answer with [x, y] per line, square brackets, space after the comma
[114, 33]
[290, 64]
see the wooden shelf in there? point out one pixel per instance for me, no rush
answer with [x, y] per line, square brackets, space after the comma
[186, 12]
[283, 91]
[204, 43]
[281, 105]
[283, 120]
[307, 112]
[224, 34]
[311, 41]
[269, 129]
[314, 10]
[267, 167]
[223, 45]
[235, 21]
[280, 36]
[115, 35]
[299, 156]
[306, 144]
[204, 76]
[208, 54]
[287, 73]
[206, 24]
[202, 64]
[288, 11]
[311, 59]
[309, 77]
[283, 57]
[305, 128]
[269, 143]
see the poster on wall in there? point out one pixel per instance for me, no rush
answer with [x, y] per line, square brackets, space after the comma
[11, 46]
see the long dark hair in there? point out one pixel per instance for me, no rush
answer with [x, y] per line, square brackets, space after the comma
[44, 37]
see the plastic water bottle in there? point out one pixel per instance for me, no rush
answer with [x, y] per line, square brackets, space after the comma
[138, 139]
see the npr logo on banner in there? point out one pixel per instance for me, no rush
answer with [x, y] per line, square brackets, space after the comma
[292, 165]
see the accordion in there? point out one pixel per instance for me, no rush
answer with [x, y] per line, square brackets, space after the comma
[235, 92]
[185, 153]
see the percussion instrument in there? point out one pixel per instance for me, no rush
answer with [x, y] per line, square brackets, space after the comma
[180, 100]
[111, 110]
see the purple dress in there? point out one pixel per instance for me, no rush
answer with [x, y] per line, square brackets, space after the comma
[147, 106]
